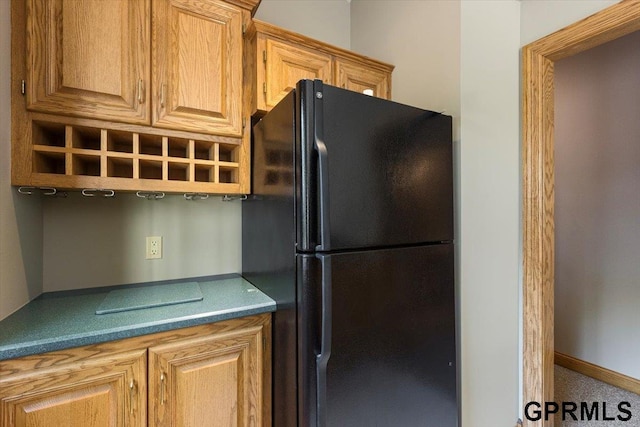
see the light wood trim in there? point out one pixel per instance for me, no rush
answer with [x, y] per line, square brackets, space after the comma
[249, 93]
[538, 233]
[251, 5]
[538, 192]
[21, 154]
[266, 357]
[598, 372]
[118, 184]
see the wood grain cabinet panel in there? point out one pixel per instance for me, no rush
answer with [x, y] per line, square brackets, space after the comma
[212, 381]
[359, 78]
[277, 59]
[285, 65]
[213, 375]
[106, 391]
[89, 58]
[197, 66]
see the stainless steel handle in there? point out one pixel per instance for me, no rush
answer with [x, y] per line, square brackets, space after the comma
[325, 342]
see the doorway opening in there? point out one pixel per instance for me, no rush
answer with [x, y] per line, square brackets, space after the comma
[538, 60]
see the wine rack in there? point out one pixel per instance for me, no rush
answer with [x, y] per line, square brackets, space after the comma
[80, 156]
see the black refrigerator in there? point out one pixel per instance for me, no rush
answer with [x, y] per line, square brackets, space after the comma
[349, 229]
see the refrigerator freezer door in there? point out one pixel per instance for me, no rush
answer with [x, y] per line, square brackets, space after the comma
[390, 179]
[392, 350]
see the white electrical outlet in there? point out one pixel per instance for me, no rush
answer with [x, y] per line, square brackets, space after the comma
[154, 247]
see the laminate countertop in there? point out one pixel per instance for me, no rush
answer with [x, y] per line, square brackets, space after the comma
[60, 320]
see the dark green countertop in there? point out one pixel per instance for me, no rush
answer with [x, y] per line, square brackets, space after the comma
[60, 320]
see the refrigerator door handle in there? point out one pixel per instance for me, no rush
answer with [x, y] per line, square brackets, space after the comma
[325, 342]
[323, 175]
[323, 168]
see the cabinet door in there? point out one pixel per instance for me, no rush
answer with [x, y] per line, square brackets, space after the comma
[197, 66]
[360, 78]
[89, 58]
[284, 65]
[212, 381]
[108, 391]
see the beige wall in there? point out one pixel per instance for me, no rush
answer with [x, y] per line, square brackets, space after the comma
[543, 17]
[20, 216]
[422, 40]
[597, 208]
[489, 212]
[91, 242]
[326, 20]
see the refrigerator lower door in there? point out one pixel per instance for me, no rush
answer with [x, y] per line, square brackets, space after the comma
[383, 354]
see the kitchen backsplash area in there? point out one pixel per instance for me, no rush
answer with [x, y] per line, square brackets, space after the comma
[100, 241]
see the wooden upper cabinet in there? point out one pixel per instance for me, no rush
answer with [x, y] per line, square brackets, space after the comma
[284, 65]
[105, 391]
[130, 95]
[197, 66]
[359, 78]
[277, 59]
[213, 381]
[89, 58]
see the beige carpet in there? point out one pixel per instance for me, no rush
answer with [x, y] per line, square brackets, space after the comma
[571, 386]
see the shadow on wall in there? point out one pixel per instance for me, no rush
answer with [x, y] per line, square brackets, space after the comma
[27, 212]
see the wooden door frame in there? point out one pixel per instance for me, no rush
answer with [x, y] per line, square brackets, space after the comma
[538, 60]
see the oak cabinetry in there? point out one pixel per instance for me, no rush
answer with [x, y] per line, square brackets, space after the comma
[105, 390]
[284, 65]
[210, 375]
[88, 59]
[353, 76]
[197, 66]
[164, 79]
[279, 58]
[214, 378]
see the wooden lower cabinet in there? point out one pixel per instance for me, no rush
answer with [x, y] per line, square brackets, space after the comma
[213, 381]
[106, 390]
[211, 375]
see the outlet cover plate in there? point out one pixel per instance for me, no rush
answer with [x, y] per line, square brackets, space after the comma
[154, 247]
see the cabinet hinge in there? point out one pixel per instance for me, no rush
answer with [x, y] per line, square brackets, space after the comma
[244, 123]
[244, 28]
[23, 87]
[264, 87]
[264, 56]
